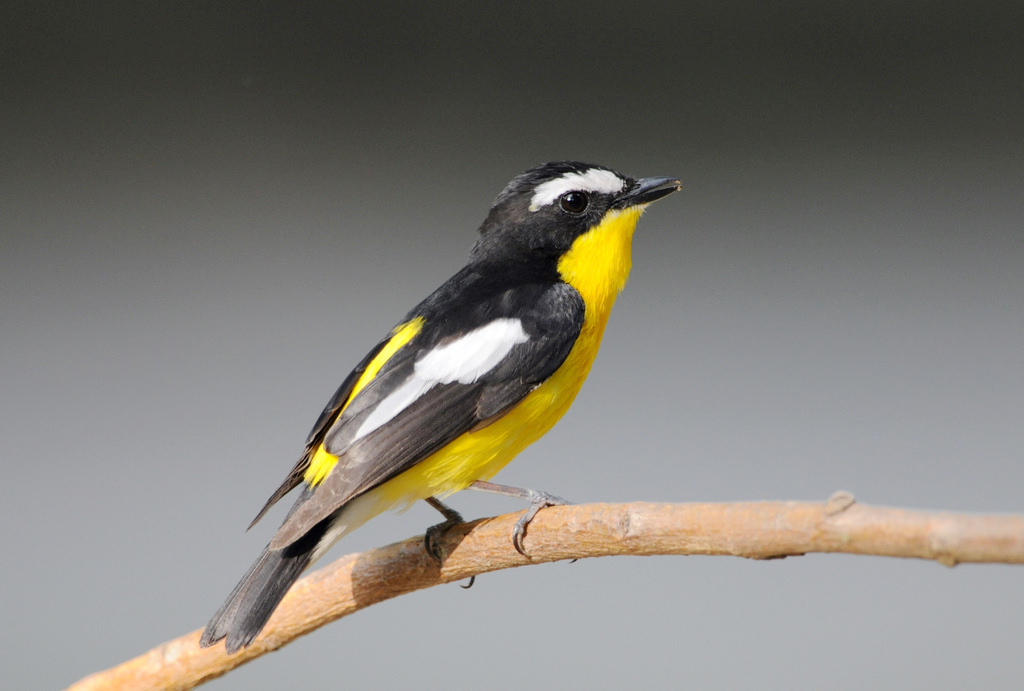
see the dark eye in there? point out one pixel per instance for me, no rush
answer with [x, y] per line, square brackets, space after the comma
[574, 202]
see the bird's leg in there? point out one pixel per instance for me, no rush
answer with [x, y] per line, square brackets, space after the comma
[538, 501]
[431, 539]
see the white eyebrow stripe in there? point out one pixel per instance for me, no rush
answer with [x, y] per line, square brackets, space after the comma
[464, 360]
[594, 180]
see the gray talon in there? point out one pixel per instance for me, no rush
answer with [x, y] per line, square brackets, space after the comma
[538, 501]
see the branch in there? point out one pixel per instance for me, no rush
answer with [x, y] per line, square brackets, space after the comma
[763, 530]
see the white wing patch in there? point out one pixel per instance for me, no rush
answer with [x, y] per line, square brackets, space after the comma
[397, 401]
[464, 360]
[593, 180]
[468, 358]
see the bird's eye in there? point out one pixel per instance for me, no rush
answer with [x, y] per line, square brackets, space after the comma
[574, 202]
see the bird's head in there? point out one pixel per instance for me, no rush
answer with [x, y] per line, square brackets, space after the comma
[577, 217]
[544, 210]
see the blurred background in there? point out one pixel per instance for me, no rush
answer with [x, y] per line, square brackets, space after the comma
[209, 212]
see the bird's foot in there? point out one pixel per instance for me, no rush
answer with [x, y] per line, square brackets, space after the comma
[435, 534]
[538, 501]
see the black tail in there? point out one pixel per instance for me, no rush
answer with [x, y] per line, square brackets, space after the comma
[247, 609]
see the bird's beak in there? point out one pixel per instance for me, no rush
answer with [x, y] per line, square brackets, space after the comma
[646, 190]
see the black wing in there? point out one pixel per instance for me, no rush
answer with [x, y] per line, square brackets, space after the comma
[550, 316]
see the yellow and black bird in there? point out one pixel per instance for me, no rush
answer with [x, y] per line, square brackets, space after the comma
[475, 373]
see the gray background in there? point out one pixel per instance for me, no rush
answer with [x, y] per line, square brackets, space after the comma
[208, 214]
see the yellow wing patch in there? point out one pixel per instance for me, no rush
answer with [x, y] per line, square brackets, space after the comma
[320, 465]
[322, 462]
[403, 333]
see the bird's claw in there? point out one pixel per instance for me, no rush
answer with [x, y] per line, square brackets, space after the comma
[433, 537]
[538, 501]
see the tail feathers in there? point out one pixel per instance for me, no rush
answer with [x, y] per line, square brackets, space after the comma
[247, 609]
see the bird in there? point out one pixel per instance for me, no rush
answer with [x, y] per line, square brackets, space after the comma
[476, 372]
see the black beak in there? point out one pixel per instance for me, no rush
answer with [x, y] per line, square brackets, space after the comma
[647, 190]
